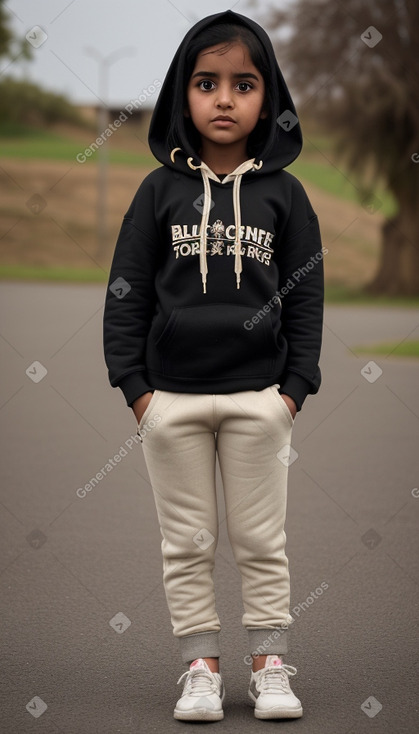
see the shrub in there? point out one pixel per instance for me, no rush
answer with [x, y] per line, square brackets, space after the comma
[25, 103]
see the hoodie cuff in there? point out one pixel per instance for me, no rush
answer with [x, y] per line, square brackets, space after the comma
[296, 387]
[133, 386]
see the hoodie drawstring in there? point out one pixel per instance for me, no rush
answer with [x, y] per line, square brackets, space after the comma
[237, 221]
[207, 174]
[203, 266]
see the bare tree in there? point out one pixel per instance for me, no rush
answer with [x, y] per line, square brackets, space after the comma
[355, 68]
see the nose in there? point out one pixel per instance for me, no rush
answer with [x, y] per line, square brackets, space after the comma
[224, 97]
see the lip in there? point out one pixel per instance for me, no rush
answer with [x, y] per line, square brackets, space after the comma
[223, 121]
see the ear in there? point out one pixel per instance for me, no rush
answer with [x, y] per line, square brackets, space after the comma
[186, 112]
[264, 112]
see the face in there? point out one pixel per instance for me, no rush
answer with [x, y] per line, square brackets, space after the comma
[225, 95]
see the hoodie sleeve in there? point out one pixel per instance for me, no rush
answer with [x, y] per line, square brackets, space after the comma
[130, 297]
[302, 293]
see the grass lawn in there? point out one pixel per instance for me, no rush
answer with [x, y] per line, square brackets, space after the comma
[328, 177]
[60, 149]
[341, 294]
[29, 143]
[404, 349]
[70, 275]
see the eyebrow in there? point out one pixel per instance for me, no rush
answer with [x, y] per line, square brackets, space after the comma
[246, 75]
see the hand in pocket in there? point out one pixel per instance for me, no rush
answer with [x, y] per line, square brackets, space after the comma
[290, 404]
[140, 405]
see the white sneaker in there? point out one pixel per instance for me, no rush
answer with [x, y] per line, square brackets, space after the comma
[270, 691]
[203, 694]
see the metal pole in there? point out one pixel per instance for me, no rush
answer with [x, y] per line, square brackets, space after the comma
[103, 158]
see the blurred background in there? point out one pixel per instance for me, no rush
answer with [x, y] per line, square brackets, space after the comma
[73, 71]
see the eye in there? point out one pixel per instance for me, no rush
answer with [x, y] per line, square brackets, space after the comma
[244, 86]
[206, 85]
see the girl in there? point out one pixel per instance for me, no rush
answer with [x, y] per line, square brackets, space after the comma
[212, 330]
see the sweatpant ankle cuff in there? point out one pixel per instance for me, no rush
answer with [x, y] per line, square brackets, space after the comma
[268, 641]
[199, 645]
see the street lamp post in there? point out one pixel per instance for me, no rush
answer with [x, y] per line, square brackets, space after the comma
[105, 63]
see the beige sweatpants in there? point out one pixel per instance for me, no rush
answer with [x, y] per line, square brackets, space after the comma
[251, 433]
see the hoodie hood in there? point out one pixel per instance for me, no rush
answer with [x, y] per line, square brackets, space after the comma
[284, 140]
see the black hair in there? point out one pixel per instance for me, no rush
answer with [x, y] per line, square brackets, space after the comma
[182, 127]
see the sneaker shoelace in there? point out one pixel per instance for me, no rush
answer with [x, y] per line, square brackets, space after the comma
[198, 683]
[274, 679]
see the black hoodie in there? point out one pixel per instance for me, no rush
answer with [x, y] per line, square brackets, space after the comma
[216, 286]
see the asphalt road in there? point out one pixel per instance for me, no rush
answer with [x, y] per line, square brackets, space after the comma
[87, 644]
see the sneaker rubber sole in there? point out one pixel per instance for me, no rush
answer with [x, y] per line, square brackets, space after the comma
[199, 715]
[277, 712]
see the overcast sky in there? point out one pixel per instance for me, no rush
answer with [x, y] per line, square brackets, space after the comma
[146, 32]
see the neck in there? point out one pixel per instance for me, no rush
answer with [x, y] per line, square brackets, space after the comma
[223, 158]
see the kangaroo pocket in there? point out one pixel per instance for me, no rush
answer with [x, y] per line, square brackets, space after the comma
[214, 341]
